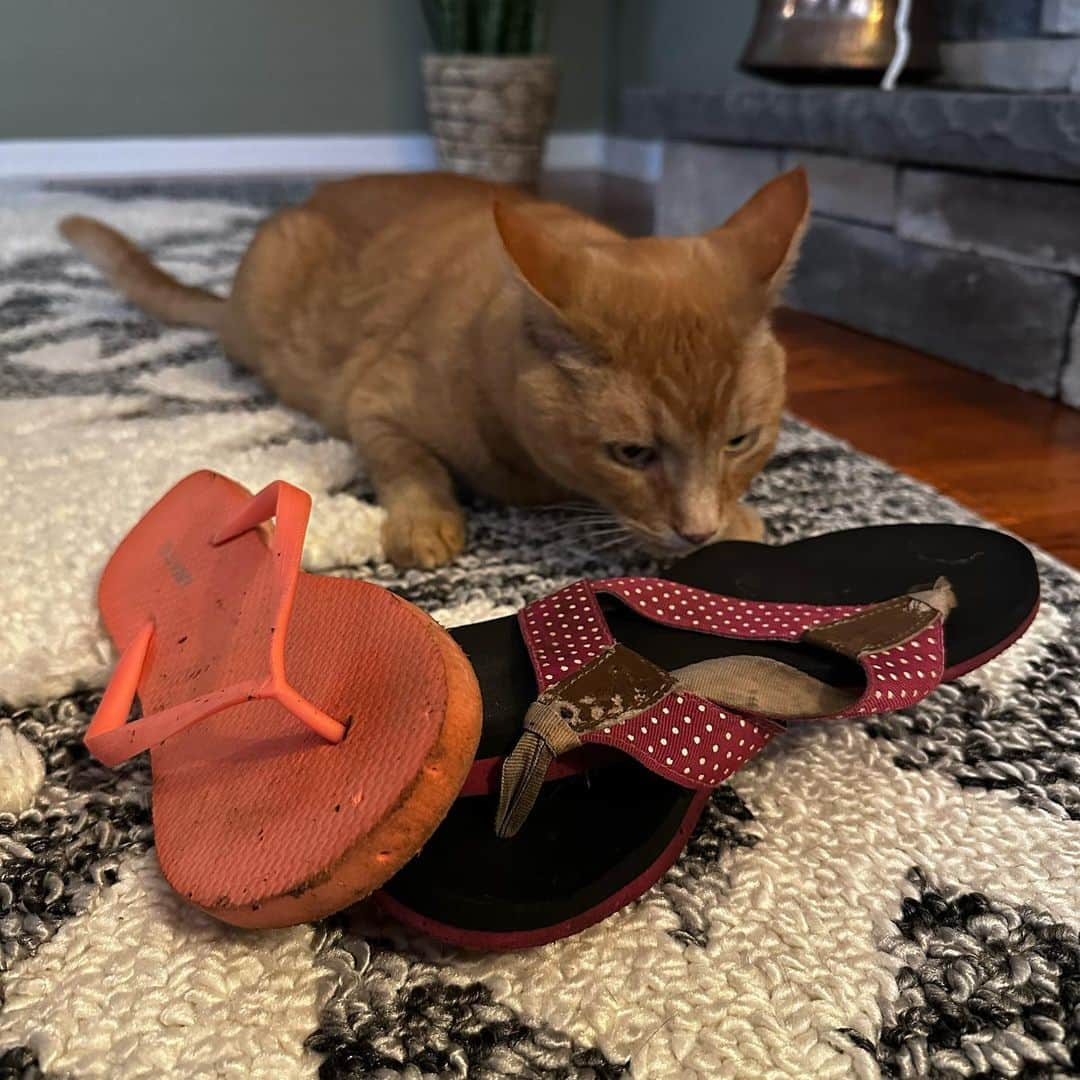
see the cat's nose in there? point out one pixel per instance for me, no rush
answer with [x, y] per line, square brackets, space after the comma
[695, 538]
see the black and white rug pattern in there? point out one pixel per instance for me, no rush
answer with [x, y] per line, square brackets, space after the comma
[892, 898]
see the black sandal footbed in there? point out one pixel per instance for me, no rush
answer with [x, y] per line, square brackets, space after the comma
[592, 835]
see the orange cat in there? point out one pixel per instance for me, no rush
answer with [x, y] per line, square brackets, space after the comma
[454, 328]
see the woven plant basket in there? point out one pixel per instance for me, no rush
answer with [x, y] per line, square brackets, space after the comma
[490, 114]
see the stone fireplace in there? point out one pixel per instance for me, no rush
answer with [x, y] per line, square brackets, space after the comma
[946, 215]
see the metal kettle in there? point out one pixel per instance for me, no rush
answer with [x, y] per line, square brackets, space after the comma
[836, 40]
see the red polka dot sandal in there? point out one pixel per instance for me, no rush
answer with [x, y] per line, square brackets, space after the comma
[654, 691]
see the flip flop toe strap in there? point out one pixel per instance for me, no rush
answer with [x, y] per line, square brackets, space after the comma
[113, 739]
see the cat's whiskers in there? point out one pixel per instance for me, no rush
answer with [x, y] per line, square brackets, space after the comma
[592, 519]
[581, 507]
[614, 533]
[613, 529]
[615, 541]
[567, 528]
[575, 519]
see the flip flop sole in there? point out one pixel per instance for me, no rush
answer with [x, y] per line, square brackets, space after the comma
[346, 871]
[373, 858]
[598, 839]
[258, 820]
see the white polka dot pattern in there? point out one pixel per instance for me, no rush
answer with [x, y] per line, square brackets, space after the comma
[902, 675]
[563, 632]
[688, 740]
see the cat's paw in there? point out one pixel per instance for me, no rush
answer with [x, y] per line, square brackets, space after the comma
[425, 537]
[746, 524]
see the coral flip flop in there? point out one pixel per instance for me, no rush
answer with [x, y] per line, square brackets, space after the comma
[652, 692]
[307, 733]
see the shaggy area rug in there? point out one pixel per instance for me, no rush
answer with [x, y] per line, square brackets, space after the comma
[894, 897]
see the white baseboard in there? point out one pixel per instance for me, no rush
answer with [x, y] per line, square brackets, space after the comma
[638, 159]
[98, 159]
[83, 159]
[575, 150]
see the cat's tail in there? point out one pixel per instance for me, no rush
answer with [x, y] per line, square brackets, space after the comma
[132, 272]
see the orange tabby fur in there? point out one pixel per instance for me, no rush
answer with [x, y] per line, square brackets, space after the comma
[455, 328]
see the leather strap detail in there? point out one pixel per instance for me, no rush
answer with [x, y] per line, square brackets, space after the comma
[616, 685]
[886, 625]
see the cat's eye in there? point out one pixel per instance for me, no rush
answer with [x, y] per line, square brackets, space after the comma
[742, 442]
[633, 455]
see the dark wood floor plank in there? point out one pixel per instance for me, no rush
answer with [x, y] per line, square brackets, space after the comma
[1011, 456]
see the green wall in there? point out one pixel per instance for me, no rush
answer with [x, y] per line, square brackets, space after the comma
[208, 67]
[677, 44]
[217, 67]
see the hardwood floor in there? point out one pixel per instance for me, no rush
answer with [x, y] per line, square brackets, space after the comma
[1011, 456]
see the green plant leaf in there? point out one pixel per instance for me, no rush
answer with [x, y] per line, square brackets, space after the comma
[457, 25]
[491, 27]
[517, 25]
[492, 18]
[433, 16]
[475, 12]
[538, 30]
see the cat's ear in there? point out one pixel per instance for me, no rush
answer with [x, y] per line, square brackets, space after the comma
[769, 227]
[549, 269]
[546, 332]
[542, 261]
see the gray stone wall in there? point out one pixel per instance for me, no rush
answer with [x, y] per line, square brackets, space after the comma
[1025, 134]
[1034, 222]
[980, 270]
[1000, 318]
[850, 189]
[1060, 17]
[1021, 45]
[704, 185]
[1030, 65]
[981, 20]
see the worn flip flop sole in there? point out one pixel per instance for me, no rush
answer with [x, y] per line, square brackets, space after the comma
[258, 820]
[605, 829]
